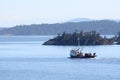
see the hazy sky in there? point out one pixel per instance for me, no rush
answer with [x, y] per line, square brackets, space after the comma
[15, 12]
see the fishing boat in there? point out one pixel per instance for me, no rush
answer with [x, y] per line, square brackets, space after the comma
[77, 53]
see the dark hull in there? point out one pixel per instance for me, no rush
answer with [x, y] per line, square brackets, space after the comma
[82, 56]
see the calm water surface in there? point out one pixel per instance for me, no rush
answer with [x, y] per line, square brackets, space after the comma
[25, 58]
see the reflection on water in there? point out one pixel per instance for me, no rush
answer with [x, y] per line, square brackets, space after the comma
[25, 58]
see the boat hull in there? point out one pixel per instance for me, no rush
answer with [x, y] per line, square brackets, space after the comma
[82, 56]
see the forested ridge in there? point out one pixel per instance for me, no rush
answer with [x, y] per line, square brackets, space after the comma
[104, 27]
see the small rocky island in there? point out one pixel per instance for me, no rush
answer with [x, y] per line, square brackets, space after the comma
[81, 38]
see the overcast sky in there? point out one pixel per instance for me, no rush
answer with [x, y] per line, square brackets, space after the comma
[15, 12]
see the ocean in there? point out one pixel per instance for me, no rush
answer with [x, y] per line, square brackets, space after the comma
[25, 58]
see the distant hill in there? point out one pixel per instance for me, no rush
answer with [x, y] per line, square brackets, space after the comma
[80, 20]
[102, 26]
[1, 28]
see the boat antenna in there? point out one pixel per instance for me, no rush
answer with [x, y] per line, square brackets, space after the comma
[78, 41]
[84, 44]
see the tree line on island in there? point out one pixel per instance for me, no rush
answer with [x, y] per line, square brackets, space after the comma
[82, 38]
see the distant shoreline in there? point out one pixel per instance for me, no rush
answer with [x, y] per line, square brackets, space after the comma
[104, 27]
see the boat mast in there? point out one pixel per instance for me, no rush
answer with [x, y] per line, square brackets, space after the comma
[84, 44]
[78, 41]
